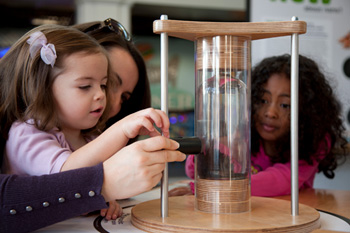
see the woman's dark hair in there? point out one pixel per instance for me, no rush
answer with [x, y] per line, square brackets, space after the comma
[319, 111]
[109, 38]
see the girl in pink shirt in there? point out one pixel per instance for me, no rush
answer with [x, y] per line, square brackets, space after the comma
[320, 127]
[54, 103]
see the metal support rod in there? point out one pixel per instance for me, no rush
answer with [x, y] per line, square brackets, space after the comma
[294, 122]
[164, 107]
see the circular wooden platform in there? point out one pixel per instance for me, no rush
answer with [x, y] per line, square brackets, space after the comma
[266, 215]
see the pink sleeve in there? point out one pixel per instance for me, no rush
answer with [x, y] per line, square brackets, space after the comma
[34, 152]
[276, 180]
[189, 166]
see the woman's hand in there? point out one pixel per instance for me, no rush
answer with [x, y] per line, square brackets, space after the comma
[138, 167]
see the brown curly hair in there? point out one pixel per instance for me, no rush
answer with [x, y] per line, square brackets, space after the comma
[319, 111]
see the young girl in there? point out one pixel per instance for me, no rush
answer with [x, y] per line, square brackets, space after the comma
[54, 89]
[131, 90]
[320, 127]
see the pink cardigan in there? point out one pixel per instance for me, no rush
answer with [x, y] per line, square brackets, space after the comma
[270, 179]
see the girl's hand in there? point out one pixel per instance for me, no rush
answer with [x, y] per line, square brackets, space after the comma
[113, 212]
[143, 123]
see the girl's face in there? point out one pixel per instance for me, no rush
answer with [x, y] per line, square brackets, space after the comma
[79, 90]
[125, 71]
[273, 113]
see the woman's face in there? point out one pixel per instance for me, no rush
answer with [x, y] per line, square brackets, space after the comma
[273, 113]
[126, 75]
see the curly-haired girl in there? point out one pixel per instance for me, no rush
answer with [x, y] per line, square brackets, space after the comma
[320, 126]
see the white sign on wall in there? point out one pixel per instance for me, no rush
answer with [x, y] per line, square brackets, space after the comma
[327, 40]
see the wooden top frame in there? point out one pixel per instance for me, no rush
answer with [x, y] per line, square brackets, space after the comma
[192, 30]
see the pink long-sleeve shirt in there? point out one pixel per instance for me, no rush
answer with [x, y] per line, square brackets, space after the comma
[270, 179]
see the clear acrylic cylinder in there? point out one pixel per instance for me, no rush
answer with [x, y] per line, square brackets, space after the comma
[222, 122]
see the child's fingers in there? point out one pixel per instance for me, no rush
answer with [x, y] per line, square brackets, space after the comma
[159, 118]
[148, 119]
[155, 117]
[146, 123]
[154, 133]
[119, 211]
[166, 133]
[111, 211]
[103, 212]
[165, 120]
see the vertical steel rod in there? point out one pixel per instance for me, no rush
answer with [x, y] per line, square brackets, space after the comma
[294, 122]
[164, 107]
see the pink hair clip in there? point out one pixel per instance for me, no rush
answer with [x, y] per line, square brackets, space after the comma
[38, 41]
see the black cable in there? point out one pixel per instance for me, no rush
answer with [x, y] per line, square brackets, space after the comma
[98, 220]
[98, 226]
[336, 215]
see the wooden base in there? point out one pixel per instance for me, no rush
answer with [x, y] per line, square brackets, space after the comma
[266, 215]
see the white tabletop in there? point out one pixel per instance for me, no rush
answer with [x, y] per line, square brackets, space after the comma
[86, 223]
